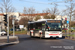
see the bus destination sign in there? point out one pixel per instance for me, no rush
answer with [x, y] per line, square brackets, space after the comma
[53, 21]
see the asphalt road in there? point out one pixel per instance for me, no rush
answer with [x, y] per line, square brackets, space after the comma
[27, 43]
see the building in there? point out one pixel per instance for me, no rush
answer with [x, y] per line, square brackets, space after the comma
[14, 14]
[63, 18]
[2, 26]
[31, 17]
[18, 16]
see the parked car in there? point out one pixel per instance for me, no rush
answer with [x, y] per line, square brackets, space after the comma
[2, 33]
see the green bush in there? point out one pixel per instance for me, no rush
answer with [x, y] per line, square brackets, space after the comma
[18, 32]
[63, 31]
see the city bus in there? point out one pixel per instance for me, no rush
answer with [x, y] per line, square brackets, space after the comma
[45, 28]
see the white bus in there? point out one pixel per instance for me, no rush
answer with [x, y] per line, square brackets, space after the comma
[45, 28]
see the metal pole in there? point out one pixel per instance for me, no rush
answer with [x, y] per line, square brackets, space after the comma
[65, 30]
[13, 28]
[68, 31]
[7, 28]
[0, 29]
[74, 35]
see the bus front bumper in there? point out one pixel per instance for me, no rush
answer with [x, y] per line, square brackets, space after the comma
[59, 36]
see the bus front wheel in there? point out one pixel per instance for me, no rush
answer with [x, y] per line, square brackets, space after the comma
[31, 35]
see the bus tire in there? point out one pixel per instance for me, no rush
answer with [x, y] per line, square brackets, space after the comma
[31, 35]
[40, 36]
[54, 37]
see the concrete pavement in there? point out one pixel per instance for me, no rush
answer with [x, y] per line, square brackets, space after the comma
[27, 43]
[12, 40]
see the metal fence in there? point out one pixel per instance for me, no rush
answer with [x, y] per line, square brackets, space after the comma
[69, 35]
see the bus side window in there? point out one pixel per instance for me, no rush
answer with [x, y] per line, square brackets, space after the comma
[38, 26]
[34, 26]
[46, 27]
[28, 27]
[43, 26]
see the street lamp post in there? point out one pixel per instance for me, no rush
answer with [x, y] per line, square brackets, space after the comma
[13, 27]
[13, 22]
[7, 28]
[0, 28]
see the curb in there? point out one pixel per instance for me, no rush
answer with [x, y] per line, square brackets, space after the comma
[4, 44]
[70, 39]
[15, 42]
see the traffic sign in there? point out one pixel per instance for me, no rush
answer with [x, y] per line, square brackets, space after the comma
[67, 22]
[65, 18]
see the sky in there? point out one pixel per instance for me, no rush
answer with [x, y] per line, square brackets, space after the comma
[39, 5]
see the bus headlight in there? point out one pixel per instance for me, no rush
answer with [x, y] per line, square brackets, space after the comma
[60, 33]
[47, 33]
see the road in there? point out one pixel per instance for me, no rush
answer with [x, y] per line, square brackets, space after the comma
[27, 43]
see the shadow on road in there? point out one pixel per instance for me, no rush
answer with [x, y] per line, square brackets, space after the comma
[6, 46]
[37, 38]
[22, 39]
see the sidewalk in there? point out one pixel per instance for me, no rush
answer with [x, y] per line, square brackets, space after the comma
[70, 36]
[12, 40]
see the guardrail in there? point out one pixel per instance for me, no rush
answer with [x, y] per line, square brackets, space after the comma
[69, 35]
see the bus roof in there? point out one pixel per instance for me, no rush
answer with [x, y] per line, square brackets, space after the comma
[41, 20]
[45, 19]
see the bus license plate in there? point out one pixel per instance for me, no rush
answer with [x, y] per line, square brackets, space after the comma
[53, 36]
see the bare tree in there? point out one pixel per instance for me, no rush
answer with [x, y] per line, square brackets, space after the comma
[23, 21]
[72, 23]
[52, 17]
[37, 12]
[46, 17]
[30, 10]
[10, 23]
[1, 9]
[54, 10]
[74, 16]
[46, 11]
[12, 9]
[6, 6]
[25, 10]
[70, 11]
[37, 17]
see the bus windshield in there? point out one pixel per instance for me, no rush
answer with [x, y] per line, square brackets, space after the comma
[53, 26]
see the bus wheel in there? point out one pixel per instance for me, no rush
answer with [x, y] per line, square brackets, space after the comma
[55, 38]
[40, 35]
[31, 35]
